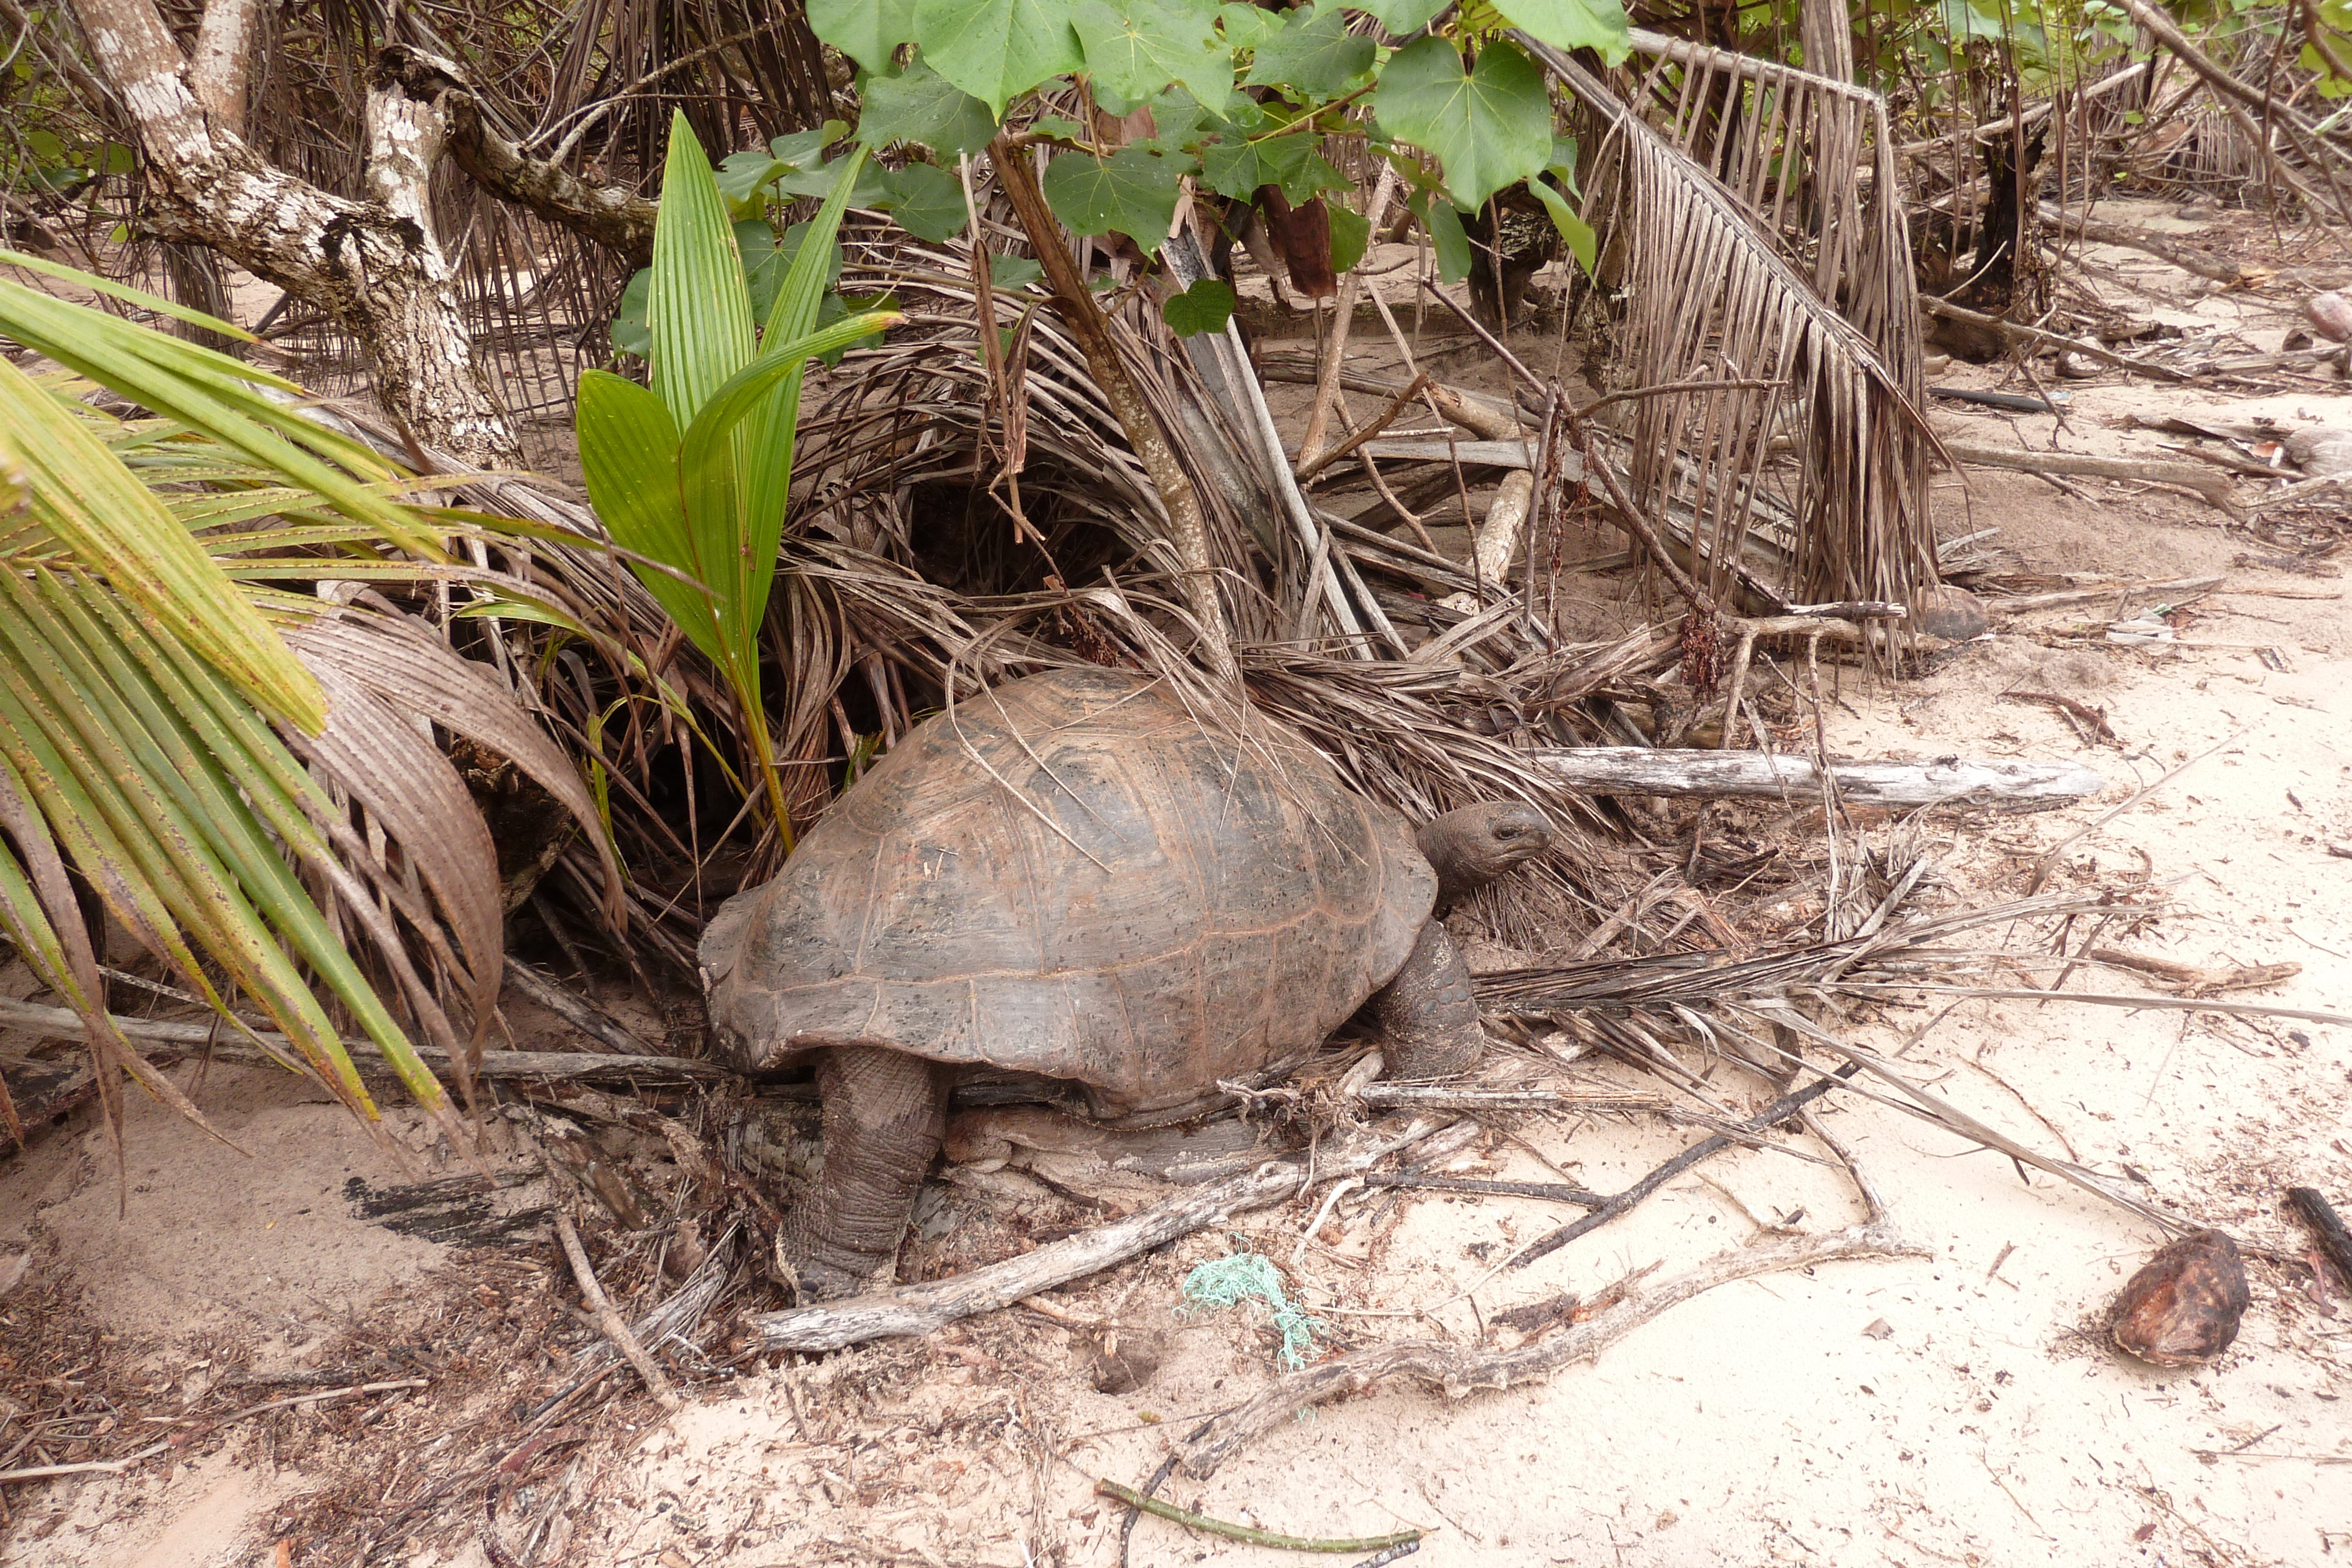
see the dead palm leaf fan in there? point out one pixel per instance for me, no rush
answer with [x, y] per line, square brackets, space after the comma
[1713, 277]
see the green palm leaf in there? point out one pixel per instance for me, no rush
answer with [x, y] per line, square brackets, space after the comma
[707, 507]
[193, 742]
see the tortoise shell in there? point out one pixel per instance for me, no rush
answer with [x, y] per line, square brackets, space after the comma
[1075, 878]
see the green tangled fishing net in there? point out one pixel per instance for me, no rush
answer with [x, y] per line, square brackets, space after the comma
[1246, 1276]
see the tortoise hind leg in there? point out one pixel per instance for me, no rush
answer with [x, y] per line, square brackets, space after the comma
[885, 1113]
[1428, 1013]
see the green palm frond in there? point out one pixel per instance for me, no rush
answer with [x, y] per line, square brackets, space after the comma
[243, 773]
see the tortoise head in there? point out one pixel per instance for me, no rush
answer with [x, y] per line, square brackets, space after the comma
[1472, 846]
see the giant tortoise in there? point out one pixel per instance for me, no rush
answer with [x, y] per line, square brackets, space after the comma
[1074, 877]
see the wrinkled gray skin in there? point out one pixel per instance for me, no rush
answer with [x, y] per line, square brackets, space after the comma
[885, 1110]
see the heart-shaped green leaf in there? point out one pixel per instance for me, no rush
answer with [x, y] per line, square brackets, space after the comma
[1247, 26]
[1314, 55]
[1206, 307]
[1597, 24]
[997, 50]
[1490, 128]
[868, 31]
[1235, 166]
[1403, 18]
[1013, 271]
[1135, 47]
[921, 106]
[1133, 191]
[927, 202]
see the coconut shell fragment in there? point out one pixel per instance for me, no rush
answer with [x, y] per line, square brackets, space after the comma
[2183, 1307]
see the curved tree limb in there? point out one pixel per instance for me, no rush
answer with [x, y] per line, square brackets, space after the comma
[607, 214]
[374, 266]
[918, 1309]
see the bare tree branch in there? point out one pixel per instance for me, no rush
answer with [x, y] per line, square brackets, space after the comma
[374, 266]
[607, 214]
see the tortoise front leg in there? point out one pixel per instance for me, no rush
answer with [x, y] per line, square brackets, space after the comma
[885, 1113]
[1427, 1012]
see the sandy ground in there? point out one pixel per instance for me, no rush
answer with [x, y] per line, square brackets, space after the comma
[1956, 1406]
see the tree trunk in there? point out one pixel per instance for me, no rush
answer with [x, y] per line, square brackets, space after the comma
[373, 267]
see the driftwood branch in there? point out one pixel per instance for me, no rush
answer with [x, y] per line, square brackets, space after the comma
[1771, 1115]
[2174, 587]
[1419, 1097]
[1309, 466]
[600, 1307]
[2022, 334]
[1711, 775]
[2187, 257]
[1459, 1371]
[2203, 478]
[920, 1309]
[230, 1044]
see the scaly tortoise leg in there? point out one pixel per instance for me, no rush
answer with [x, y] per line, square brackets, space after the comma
[1427, 1012]
[885, 1113]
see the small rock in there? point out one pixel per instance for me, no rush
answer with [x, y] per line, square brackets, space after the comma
[1952, 614]
[2332, 314]
[2321, 452]
[2183, 1307]
[1879, 1329]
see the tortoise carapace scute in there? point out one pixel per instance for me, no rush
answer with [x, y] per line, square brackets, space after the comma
[1074, 876]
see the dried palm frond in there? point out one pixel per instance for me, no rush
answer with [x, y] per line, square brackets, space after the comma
[1757, 1007]
[910, 421]
[1731, 269]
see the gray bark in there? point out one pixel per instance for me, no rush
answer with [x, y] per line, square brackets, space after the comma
[1634, 771]
[373, 267]
[607, 214]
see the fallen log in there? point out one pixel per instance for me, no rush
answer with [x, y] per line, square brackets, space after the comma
[1715, 774]
[2174, 587]
[218, 1040]
[2022, 334]
[2187, 257]
[2212, 486]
